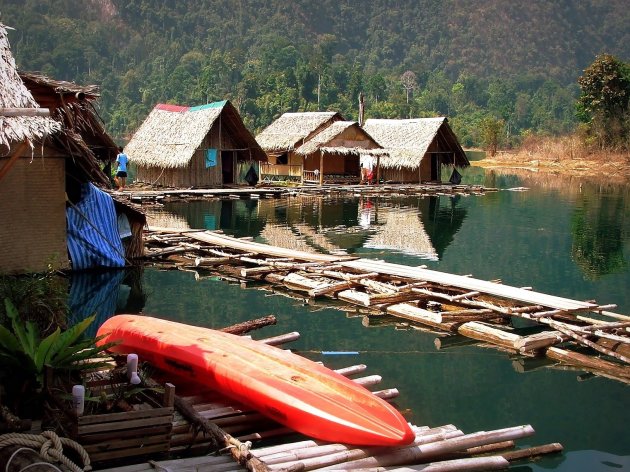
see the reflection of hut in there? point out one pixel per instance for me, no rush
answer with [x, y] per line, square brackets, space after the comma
[49, 157]
[165, 219]
[318, 239]
[416, 148]
[403, 232]
[283, 236]
[203, 146]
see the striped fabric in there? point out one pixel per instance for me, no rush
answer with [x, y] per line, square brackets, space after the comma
[93, 239]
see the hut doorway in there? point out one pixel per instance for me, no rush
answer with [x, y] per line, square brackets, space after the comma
[436, 168]
[227, 166]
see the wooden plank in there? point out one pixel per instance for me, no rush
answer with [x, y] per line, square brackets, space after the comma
[468, 283]
[124, 416]
[130, 433]
[120, 425]
[111, 455]
[250, 246]
[129, 443]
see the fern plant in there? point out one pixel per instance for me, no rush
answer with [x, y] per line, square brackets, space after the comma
[23, 348]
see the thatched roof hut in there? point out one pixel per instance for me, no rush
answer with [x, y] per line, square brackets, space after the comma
[416, 148]
[322, 145]
[180, 146]
[47, 158]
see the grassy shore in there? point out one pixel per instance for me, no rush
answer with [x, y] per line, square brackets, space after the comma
[563, 155]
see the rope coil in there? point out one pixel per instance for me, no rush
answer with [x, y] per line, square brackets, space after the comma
[49, 446]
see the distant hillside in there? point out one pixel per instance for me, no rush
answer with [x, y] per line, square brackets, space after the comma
[518, 62]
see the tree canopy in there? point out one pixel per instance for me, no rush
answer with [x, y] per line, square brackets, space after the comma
[468, 60]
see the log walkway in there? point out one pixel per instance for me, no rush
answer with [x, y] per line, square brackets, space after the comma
[137, 194]
[583, 334]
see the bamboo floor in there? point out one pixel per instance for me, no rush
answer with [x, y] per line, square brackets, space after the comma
[584, 334]
[441, 448]
[143, 195]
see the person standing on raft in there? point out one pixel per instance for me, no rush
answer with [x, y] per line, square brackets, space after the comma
[121, 170]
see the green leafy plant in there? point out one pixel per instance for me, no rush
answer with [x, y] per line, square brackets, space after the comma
[23, 348]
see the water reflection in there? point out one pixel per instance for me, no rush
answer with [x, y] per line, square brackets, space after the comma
[599, 228]
[423, 227]
[104, 293]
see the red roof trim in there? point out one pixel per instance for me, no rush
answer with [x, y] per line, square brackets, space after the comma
[167, 107]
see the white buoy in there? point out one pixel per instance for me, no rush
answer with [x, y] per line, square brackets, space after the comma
[78, 399]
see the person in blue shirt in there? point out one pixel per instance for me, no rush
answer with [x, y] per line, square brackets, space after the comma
[121, 170]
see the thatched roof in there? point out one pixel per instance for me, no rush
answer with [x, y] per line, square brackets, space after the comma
[292, 130]
[171, 134]
[407, 141]
[74, 106]
[322, 141]
[14, 94]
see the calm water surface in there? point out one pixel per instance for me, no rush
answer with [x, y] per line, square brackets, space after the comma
[568, 238]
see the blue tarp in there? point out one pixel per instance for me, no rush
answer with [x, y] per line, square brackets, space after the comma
[93, 239]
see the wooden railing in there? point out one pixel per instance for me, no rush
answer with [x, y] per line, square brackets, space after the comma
[278, 170]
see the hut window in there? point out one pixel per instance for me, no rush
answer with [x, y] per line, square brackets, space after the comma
[282, 159]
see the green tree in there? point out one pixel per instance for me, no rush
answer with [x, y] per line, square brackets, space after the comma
[604, 100]
[491, 133]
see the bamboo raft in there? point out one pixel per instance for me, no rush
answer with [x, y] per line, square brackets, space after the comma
[139, 195]
[233, 428]
[583, 334]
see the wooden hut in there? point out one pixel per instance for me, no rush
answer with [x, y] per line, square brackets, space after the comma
[282, 137]
[207, 146]
[51, 145]
[334, 154]
[416, 148]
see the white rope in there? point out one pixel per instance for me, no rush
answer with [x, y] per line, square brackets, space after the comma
[50, 448]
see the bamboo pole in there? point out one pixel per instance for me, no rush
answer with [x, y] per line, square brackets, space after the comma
[472, 464]
[564, 328]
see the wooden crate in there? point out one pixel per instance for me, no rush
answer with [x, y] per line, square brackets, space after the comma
[111, 436]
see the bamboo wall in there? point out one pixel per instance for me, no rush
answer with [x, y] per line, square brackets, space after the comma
[196, 174]
[33, 215]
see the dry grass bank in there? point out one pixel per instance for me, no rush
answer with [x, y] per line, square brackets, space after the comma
[563, 155]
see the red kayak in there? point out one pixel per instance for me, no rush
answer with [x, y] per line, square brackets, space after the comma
[292, 390]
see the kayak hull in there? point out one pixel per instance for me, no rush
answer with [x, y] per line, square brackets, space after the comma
[288, 388]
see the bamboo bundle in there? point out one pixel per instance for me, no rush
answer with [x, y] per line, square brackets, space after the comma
[434, 450]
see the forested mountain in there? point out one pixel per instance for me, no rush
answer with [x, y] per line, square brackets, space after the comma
[467, 59]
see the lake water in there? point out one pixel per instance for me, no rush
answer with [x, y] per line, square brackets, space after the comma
[565, 237]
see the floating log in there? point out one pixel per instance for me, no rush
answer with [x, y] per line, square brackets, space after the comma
[454, 340]
[486, 333]
[589, 363]
[247, 326]
[539, 341]
[420, 315]
[532, 452]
